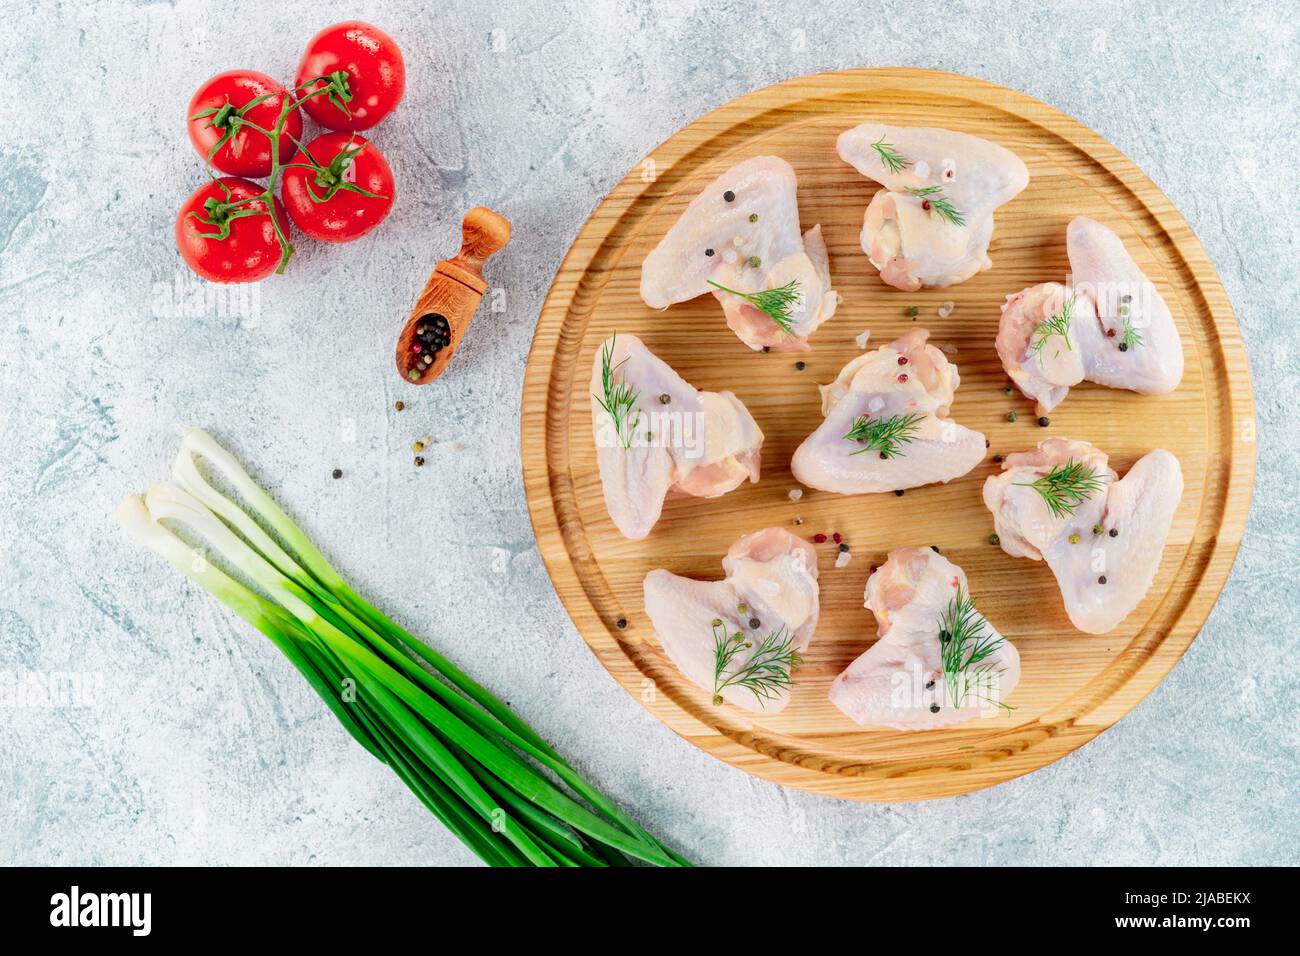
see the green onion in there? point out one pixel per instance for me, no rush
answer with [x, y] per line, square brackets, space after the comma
[486, 775]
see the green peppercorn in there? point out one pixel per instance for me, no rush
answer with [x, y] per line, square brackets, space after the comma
[755, 261]
[1097, 529]
[1012, 416]
[665, 399]
[753, 217]
[994, 539]
[1074, 539]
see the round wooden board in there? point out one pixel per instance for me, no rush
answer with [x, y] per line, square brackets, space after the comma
[1073, 685]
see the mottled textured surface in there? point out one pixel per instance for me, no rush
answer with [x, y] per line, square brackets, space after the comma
[198, 744]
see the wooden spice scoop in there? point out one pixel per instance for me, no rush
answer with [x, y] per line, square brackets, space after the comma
[451, 295]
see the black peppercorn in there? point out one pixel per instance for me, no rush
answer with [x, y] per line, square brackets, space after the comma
[754, 623]
[621, 623]
[338, 472]
[934, 548]
[844, 549]
[729, 196]
[800, 366]
[1102, 579]
[934, 708]
[1044, 421]
[1123, 346]
[997, 459]
[1114, 532]
[419, 461]
[708, 252]
[898, 492]
[930, 685]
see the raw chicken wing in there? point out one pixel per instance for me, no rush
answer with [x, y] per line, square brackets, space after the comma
[699, 443]
[1119, 529]
[749, 243]
[767, 605]
[938, 661]
[1110, 326]
[931, 224]
[907, 379]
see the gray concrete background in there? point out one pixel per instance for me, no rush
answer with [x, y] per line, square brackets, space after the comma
[200, 745]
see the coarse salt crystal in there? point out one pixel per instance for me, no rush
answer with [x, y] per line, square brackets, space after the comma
[922, 168]
[861, 340]
[948, 349]
[795, 494]
[844, 558]
[729, 256]
[945, 310]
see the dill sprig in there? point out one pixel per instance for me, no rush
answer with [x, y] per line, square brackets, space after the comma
[1131, 337]
[775, 303]
[965, 648]
[884, 435]
[891, 157]
[1066, 486]
[938, 203]
[766, 673]
[619, 399]
[1057, 325]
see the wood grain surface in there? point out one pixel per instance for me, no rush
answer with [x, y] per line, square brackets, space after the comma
[1073, 685]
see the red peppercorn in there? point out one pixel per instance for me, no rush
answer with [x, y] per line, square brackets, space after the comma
[415, 347]
[837, 537]
[902, 360]
[819, 538]
[902, 377]
[1110, 333]
[925, 204]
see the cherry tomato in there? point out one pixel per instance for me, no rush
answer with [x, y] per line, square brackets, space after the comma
[249, 251]
[338, 213]
[245, 152]
[374, 82]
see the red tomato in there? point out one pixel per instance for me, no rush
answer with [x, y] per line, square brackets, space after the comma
[246, 152]
[375, 80]
[249, 251]
[338, 213]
